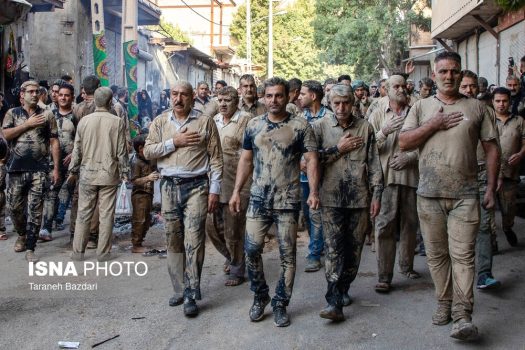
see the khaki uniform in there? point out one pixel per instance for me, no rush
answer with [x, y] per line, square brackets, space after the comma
[348, 180]
[398, 212]
[448, 197]
[377, 103]
[293, 109]
[275, 197]
[100, 156]
[141, 198]
[28, 168]
[225, 230]
[66, 138]
[184, 190]
[209, 107]
[512, 135]
[255, 110]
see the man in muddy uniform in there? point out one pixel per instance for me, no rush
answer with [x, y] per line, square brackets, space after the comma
[273, 144]
[446, 128]
[100, 161]
[398, 215]
[187, 147]
[352, 172]
[248, 102]
[66, 136]
[32, 133]
[226, 230]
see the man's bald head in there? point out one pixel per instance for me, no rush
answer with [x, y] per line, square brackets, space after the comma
[103, 96]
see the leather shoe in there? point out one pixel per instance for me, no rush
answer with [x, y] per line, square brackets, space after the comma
[190, 307]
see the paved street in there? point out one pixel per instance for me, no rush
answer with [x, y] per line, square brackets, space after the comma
[401, 320]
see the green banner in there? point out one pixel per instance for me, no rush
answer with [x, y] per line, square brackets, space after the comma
[100, 58]
[130, 59]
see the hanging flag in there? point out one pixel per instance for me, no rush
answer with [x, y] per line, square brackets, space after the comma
[130, 49]
[11, 59]
[100, 58]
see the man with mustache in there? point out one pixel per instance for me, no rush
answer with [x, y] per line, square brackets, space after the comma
[398, 204]
[32, 134]
[249, 102]
[187, 148]
[517, 96]
[226, 230]
[446, 128]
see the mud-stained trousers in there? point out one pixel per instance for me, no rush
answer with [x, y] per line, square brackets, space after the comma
[3, 174]
[484, 238]
[51, 201]
[344, 234]
[141, 216]
[88, 197]
[93, 231]
[184, 207]
[449, 228]
[398, 214]
[507, 203]
[25, 199]
[226, 232]
[258, 222]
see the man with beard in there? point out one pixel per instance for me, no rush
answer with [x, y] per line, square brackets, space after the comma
[446, 129]
[32, 135]
[224, 228]
[469, 87]
[66, 137]
[351, 188]
[517, 97]
[203, 102]
[273, 145]
[187, 148]
[398, 213]
[249, 102]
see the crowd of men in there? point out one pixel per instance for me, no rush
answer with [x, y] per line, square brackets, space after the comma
[381, 161]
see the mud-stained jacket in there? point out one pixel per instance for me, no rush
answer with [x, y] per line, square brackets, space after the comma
[349, 178]
[100, 153]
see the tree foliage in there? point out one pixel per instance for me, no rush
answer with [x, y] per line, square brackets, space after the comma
[365, 33]
[294, 51]
[171, 31]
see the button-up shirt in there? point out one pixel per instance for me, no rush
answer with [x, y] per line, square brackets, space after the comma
[66, 134]
[256, 109]
[388, 146]
[30, 151]
[191, 161]
[231, 135]
[277, 150]
[348, 178]
[511, 136]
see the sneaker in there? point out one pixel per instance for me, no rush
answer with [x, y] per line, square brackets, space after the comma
[175, 301]
[257, 309]
[486, 281]
[45, 235]
[333, 313]
[312, 265]
[443, 314]
[511, 238]
[464, 330]
[20, 244]
[30, 256]
[280, 317]
[347, 299]
[190, 307]
[92, 245]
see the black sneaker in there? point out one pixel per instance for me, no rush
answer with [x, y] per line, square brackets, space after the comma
[190, 307]
[333, 313]
[486, 281]
[257, 309]
[280, 317]
[511, 238]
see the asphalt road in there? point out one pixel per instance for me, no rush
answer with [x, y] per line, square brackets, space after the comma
[31, 319]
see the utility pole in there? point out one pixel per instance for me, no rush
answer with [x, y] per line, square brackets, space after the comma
[269, 70]
[129, 57]
[249, 36]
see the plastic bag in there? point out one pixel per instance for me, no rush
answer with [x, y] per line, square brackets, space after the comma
[123, 201]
